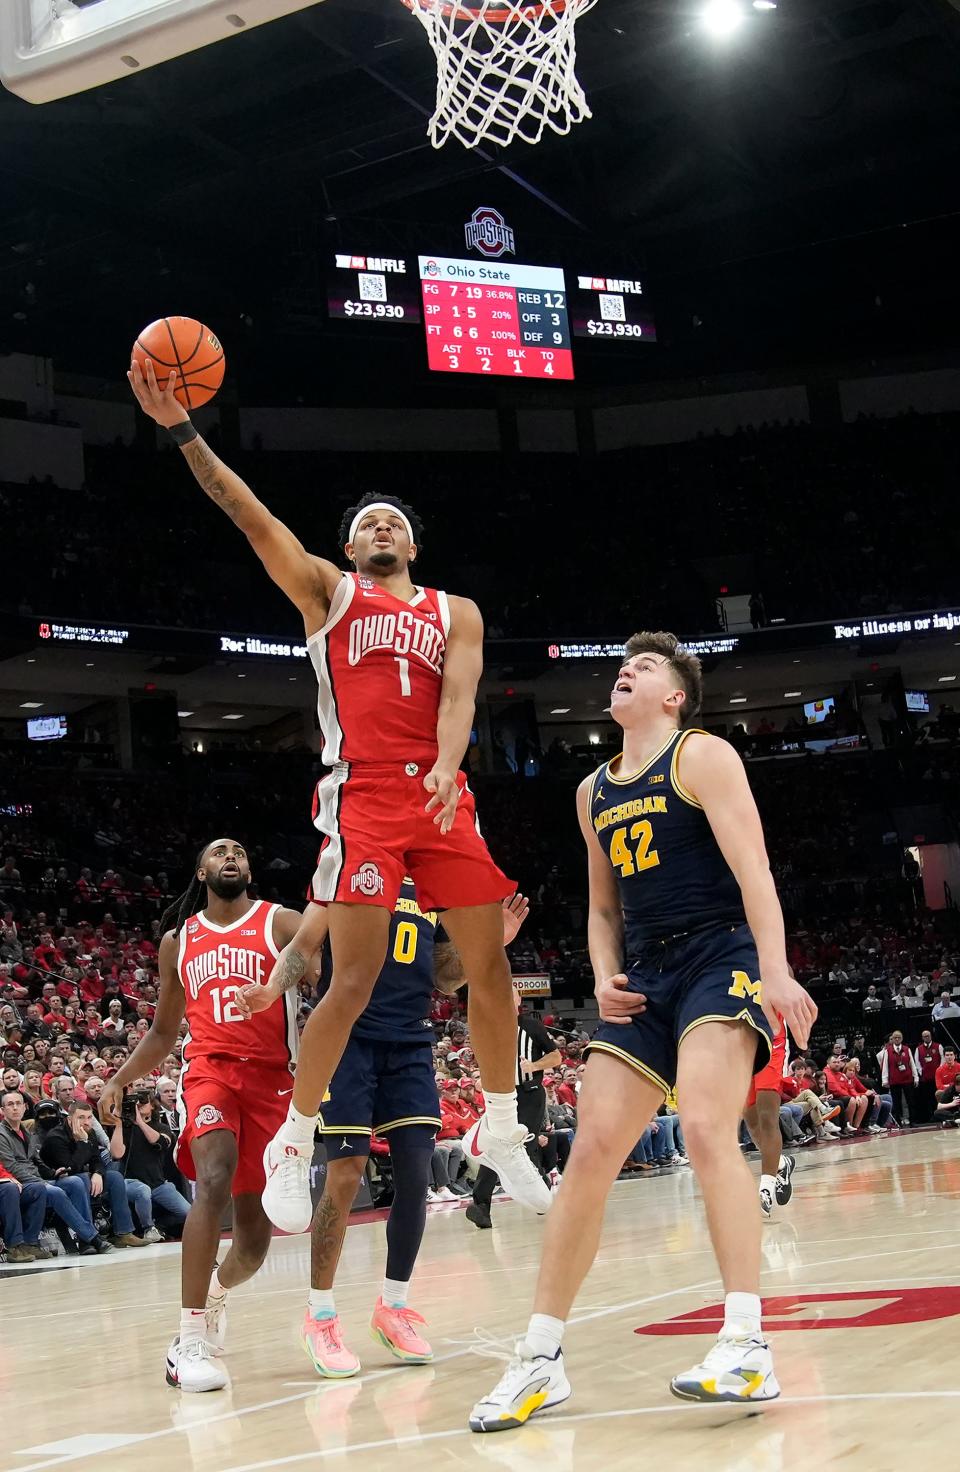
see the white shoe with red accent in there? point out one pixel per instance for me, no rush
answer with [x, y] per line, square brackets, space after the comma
[286, 1195]
[192, 1367]
[508, 1157]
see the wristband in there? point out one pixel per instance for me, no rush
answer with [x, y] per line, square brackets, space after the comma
[183, 433]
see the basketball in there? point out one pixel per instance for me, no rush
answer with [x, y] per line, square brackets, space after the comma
[190, 349]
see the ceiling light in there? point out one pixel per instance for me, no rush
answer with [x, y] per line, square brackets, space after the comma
[182, 713]
[560, 710]
[89, 664]
[946, 679]
[31, 661]
[738, 700]
[31, 705]
[292, 679]
[789, 694]
[764, 4]
[594, 739]
[241, 677]
[236, 716]
[721, 18]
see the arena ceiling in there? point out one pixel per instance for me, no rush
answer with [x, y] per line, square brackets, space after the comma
[811, 161]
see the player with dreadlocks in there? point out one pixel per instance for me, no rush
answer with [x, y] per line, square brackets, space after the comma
[234, 1089]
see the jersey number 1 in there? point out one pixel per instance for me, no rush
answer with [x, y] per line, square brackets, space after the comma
[404, 668]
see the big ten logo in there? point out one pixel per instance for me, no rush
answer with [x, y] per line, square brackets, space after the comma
[866, 1308]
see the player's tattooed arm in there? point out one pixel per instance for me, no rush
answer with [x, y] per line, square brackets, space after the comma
[301, 938]
[206, 468]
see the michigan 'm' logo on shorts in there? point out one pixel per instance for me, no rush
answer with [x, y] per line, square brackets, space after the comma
[744, 987]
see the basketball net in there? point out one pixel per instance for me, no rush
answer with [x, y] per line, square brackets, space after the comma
[506, 69]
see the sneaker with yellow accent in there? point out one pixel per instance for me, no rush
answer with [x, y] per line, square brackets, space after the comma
[396, 1329]
[734, 1370]
[530, 1383]
[322, 1340]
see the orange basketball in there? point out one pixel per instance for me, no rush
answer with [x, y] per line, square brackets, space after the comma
[185, 346]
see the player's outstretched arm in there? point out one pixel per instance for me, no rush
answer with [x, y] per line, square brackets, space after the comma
[308, 581]
[605, 925]
[712, 772]
[300, 938]
[462, 668]
[159, 1041]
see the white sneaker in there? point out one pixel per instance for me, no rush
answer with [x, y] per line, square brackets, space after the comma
[194, 1368]
[508, 1157]
[286, 1196]
[531, 1382]
[734, 1369]
[216, 1332]
[766, 1202]
[831, 1128]
[432, 1196]
[152, 1235]
[445, 1194]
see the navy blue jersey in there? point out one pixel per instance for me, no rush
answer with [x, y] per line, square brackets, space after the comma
[399, 1008]
[670, 872]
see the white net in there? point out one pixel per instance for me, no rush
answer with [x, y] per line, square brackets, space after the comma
[506, 69]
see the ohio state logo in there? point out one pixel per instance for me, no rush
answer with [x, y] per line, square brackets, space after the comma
[368, 880]
[207, 1115]
[488, 232]
[44, 631]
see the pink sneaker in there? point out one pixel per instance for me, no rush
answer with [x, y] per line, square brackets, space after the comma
[396, 1329]
[323, 1342]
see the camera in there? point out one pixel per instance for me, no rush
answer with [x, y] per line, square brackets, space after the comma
[128, 1109]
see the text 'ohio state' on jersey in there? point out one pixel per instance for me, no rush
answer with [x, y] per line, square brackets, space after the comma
[379, 668]
[398, 1010]
[214, 962]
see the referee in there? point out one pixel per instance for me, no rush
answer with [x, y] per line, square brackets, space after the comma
[536, 1055]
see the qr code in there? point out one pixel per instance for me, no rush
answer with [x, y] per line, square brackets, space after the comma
[612, 308]
[372, 288]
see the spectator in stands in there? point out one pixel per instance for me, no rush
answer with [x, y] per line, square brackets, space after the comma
[946, 1007]
[927, 1059]
[66, 1195]
[881, 1105]
[871, 1002]
[448, 1152]
[948, 1088]
[853, 1101]
[72, 1148]
[22, 1210]
[898, 1074]
[140, 1149]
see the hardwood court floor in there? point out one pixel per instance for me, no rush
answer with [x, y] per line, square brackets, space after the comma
[861, 1279]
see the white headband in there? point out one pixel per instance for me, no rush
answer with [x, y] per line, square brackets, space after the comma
[379, 506]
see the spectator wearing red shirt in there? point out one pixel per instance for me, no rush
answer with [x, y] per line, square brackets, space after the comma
[91, 985]
[948, 1089]
[566, 1091]
[448, 1152]
[928, 1058]
[471, 1097]
[854, 1102]
[861, 1090]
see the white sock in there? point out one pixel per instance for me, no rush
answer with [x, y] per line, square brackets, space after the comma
[299, 1128]
[741, 1315]
[322, 1305]
[544, 1335]
[216, 1289]
[395, 1293]
[501, 1115]
[768, 1183]
[193, 1326]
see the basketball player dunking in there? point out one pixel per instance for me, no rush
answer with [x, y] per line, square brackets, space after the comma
[398, 667]
[684, 922]
[234, 1089]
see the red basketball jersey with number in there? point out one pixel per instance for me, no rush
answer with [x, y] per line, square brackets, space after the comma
[379, 666]
[213, 963]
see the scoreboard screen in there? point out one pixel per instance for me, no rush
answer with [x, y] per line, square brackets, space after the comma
[611, 308]
[372, 289]
[490, 317]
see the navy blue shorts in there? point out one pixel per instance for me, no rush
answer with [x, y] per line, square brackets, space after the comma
[706, 976]
[378, 1088]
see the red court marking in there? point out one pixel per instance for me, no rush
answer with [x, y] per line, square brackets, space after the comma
[896, 1306]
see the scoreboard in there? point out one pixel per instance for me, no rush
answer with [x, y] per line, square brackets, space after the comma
[491, 317]
[372, 289]
[612, 308]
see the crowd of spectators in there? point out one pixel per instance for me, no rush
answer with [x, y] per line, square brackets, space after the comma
[765, 500]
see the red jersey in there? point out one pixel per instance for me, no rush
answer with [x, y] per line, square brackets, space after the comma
[379, 666]
[213, 963]
[947, 1075]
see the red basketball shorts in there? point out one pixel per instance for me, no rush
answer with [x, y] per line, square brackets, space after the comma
[769, 1077]
[376, 832]
[248, 1099]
